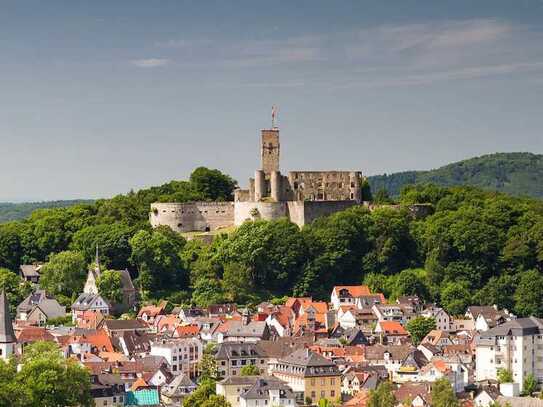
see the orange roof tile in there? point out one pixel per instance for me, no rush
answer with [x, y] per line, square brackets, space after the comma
[187, 331]
[101, 341]
[354, 290]
[392, 328]
[138, 384]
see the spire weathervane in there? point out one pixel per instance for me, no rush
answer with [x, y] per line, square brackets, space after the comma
[274, 116]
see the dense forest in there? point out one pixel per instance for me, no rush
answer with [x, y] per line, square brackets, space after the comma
[517, 174]
[477, 247]
[14, 211]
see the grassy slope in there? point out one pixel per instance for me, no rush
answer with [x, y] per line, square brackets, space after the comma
[513, 173]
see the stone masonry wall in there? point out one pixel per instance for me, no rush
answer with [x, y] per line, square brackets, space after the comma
[193, 216]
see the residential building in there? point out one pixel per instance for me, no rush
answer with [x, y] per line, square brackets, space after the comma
[183, 355]
[245, 330]
[39, 307]
[443, 320]
[232, 387]
[347, 294]
[232, 356]
[30, 272]
[488, 317]
[310, 375]
[516, 345]
[268, 392]
[179, 388]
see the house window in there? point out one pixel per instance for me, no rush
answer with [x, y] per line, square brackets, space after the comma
[332, 393]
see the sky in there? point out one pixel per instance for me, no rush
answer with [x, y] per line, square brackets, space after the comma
[101, 97]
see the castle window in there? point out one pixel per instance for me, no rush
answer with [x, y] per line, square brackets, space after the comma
[352, 184]
[179, 225]
[296, 185]
[352, 195]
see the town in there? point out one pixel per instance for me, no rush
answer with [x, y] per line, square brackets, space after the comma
[300, 352]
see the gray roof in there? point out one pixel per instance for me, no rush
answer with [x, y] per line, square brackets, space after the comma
[51, 308]
[32, 300]
[306, 357]
[227, 350]
[86, 301]
[30, 270]
[124, 324]
[260, 389]
[257, 329]
[6, 327]
[178, 385]
[516, 327]
[313, 364]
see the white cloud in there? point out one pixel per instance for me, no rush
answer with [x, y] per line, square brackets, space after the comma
[150, 62]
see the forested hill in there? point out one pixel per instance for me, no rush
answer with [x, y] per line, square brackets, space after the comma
[14, 211]
[512, 173]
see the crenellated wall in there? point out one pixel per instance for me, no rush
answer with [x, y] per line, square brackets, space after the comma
[192, 216]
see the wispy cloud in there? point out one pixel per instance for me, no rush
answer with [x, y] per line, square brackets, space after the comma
[150, 62]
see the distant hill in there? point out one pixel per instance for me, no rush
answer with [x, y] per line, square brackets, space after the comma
[15, 211]
[512, 173]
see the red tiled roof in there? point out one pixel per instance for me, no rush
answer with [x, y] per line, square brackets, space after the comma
[187, 331]
[354, 290]
[392, 328]
[33, 334]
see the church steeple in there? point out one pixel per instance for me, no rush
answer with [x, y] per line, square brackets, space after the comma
[97, 262]
[7, 335]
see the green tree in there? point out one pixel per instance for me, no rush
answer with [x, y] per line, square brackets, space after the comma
[365, 188]
[238, 283]
[110, 286]
[455, 298]
[419, 327]
[47, 379]
[504, 376]
[382, 197]
[529, 385]
[411, 282]
[208, 368]
[498, 291]
[528, 299]
[216, 401]
[203, 393]
[443, 394]
[64, 274]
[213, 184]
[249, 370]
[382, 396]
[16, 289]
[157, 255]
[113, 241]
[270, 254]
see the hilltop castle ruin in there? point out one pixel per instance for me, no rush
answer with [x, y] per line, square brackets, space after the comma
[301, 196]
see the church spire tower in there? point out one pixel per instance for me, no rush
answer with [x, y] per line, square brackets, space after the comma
[7, 335]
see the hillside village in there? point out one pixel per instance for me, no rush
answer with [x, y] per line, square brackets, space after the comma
[301, 352]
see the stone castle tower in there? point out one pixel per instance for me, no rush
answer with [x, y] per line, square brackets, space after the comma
[300, 196]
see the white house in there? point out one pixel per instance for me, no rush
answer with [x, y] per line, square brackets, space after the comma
[183, 355]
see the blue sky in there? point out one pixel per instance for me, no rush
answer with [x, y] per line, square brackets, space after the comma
[99, 97]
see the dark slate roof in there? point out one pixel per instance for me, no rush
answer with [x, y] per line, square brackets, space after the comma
[86, 301]
[227, 350]
[306, 357]
[260, 389]
[516, 327]
[6, 327]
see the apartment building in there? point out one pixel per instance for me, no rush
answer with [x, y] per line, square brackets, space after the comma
[516, 345]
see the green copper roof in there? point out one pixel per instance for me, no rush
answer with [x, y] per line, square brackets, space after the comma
[142, 398]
